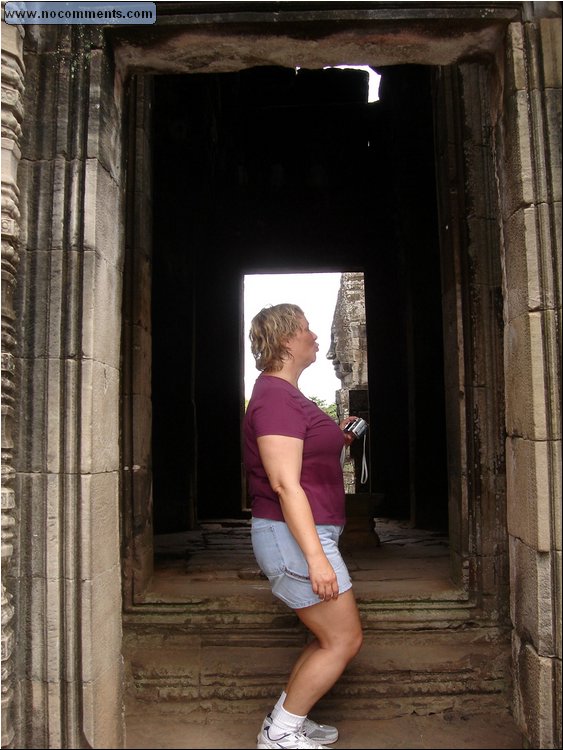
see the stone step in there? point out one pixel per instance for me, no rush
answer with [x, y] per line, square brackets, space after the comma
[221, 604]
[396, 673]
[208, 634]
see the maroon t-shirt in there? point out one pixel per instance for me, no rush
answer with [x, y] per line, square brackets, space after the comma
[278, 408]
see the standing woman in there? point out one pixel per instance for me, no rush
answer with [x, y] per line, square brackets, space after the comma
[292, 459]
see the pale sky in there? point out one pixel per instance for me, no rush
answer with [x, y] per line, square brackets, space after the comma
[315, 293]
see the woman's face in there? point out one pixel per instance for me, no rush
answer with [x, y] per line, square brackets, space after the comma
[303, 345]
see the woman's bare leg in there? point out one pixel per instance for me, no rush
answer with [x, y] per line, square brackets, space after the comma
[303, 656]
[337, 629]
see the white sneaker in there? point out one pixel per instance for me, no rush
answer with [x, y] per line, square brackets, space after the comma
[289, 740]
[322, 733]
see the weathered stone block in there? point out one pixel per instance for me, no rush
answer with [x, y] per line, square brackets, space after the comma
[103, 229]
[68, 205]
[35, 182]
[558, 607]
[550, 101]
[104, 116]
[35, 266]
[516, 163]
[99, 520]
[523, 292]
[534, 679]
[101, 334]
[556, 473]
[525, 376]
[515, 61]
[550, 49]
[30, 490]
[61, 446]
[99, 447]
[38, 611]
[531, 594]
[101, 632]
[103, 711]
[530, 492]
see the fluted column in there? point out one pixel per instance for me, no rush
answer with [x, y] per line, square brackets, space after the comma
[12, 91]
[69, 670]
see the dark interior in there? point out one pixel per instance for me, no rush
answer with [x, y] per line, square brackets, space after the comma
[267, 170]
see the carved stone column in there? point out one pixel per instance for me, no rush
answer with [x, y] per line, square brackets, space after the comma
[12, 90]
[69, 669]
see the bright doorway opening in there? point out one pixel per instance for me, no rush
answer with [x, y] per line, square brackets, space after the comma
[316, 294]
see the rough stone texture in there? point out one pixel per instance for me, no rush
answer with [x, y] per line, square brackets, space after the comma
[348, 349]
[99, 519]
[137, 368]
[70, 189]
[150, 727]
[530, 183]
[69, 370]
[203, 48]
[529, 478]
[13, 73]
[102, 290]
[413, 659]
[531, 586]
[103, 701]
[534, 675]
[523, 274]
[348, 352]
[100, 428]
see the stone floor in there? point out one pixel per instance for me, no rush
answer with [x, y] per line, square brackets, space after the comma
[394, 561]
[154, 728]
[385, 559]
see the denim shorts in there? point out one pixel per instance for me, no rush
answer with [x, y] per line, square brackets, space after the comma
[281, 560]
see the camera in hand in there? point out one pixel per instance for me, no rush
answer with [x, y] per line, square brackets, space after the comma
[357, 427]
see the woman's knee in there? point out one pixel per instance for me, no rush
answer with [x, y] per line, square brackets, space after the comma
[358, 641]
[348, 644]
[354, 642]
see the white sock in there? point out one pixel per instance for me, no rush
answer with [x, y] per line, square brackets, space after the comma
[281, 701]
[284, 722]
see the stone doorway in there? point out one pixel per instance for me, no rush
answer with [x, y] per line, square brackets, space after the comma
[494, 98]
[263, 169]
[227, 181]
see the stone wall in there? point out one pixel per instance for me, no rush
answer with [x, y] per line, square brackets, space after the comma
[13, 74]
[66, 575]
[61, 605]
[348, 352]
[529, 159]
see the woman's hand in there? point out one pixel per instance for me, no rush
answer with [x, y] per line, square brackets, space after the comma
[348, 436]
[323, 578]
[282, 458]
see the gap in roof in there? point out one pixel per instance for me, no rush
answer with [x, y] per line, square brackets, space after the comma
[373, 81]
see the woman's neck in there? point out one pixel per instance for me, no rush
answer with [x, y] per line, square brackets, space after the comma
[288, 372]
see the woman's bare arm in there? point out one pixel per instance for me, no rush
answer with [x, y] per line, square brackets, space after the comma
[282, 458]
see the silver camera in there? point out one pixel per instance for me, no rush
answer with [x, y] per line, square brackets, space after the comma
[357, 427]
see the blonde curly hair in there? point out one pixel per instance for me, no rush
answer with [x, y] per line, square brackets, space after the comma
[270, 331]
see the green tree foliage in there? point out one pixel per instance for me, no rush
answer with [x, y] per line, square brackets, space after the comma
[329, 409]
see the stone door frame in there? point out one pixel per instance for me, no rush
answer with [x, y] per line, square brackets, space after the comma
[472, 296]
[63, 681]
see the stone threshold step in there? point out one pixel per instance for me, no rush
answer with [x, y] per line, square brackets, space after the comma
[412, 670]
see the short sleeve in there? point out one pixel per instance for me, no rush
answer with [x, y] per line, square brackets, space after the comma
[281, 414]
